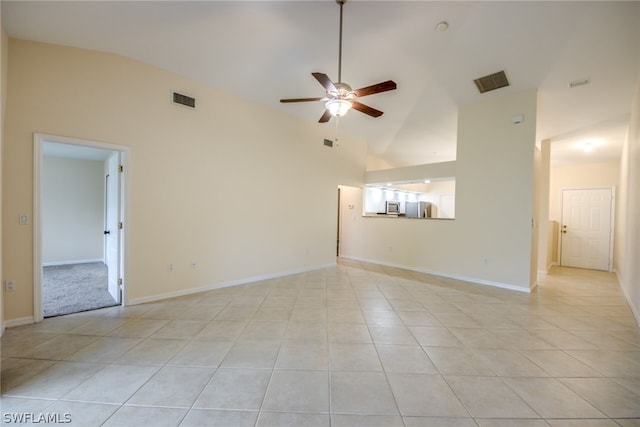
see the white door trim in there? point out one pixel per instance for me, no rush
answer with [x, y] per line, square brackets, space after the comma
[39, 139]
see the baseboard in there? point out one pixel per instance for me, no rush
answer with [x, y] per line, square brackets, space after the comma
[548, 270]
[20, 321]
[634, 310]
[211, 287]
[447, 275]
[76, 261]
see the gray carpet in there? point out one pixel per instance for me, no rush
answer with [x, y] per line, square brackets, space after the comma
[73, 288]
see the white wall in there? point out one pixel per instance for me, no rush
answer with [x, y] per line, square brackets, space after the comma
[243, 190]
[490, 241]
[72, 210]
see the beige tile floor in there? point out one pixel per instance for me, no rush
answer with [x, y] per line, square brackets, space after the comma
[355, 345]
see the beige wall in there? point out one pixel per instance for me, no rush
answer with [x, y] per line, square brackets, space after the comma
[4, 56]
[494, 205]
[627, 241]
[376, 163]
[243, 190]
[546, 240]
[582, 175]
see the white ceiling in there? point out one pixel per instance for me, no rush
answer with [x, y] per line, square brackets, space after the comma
[56, 149]
[266, 50]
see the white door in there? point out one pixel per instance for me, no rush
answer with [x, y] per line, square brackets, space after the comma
[586, 228]
[112, 231]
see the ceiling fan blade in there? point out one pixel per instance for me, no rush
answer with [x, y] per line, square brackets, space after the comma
[325, 81]
[325, 117]
[301, 99]
[377, 88]
[366, 109]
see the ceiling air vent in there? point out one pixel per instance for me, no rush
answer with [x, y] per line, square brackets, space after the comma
[187, 101]
[492, 82]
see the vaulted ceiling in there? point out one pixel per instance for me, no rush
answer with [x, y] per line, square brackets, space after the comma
[266, 50]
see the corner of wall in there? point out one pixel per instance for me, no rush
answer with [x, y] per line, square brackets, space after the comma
[628, 212]
[4, 49]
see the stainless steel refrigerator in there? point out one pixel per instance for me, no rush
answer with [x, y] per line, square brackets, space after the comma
[417, 209]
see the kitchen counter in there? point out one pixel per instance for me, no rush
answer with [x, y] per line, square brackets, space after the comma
[401, 216]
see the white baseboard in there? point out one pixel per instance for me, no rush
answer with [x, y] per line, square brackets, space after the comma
[449, 276]
[20, 321]
[211, 287]
[75, 261]
[634, 310]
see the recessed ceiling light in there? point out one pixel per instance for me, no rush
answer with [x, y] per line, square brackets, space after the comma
[427, 181]
[588, 145]
[442, 26]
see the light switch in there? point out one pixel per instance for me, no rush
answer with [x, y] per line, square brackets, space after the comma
[24, 219]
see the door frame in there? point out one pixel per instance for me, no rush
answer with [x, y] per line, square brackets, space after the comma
[39, 139]
[612, 221]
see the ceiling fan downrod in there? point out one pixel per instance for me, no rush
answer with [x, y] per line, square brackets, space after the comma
[341, 3]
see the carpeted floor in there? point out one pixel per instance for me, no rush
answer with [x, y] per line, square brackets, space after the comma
[73, 288]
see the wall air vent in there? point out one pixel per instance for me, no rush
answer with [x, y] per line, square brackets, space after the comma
[187, 101]
[492, 82]
[328, 143]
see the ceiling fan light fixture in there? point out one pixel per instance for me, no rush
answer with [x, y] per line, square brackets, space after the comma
[338, 107]
[340, 96]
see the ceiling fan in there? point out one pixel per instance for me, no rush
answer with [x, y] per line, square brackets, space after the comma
[340, 98]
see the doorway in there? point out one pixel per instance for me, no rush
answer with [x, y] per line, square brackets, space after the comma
[586, 228]
[79, 211]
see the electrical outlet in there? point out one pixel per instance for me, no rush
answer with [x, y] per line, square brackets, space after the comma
[170, 267]
[10, 285]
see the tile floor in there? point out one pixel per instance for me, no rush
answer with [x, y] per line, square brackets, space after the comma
[355, 345]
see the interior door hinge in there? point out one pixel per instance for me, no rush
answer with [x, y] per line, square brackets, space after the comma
[120, 282]
[120, 226]
[120, 168]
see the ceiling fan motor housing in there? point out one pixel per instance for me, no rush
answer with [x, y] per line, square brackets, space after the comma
[343, 91]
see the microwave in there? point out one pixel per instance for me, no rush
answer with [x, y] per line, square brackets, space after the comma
[392, 208]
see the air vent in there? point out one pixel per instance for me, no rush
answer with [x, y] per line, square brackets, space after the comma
[185, 100]
[328, 143]
[492, 82]
[577, 83]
